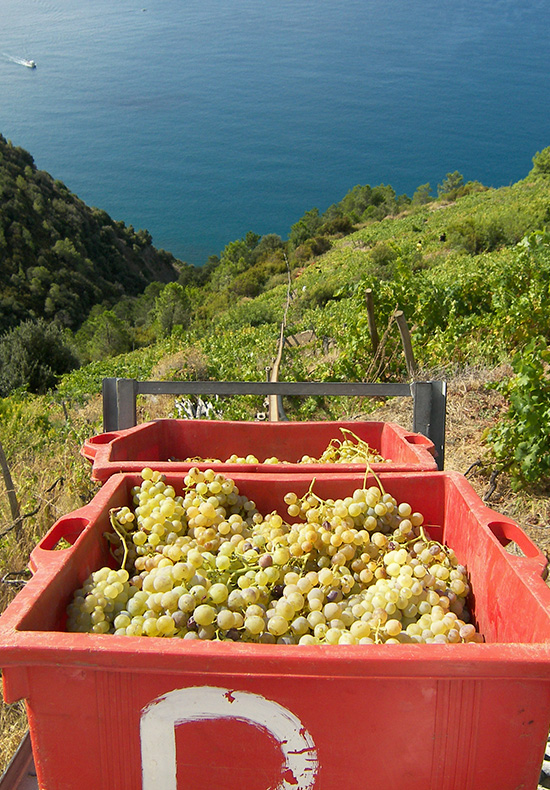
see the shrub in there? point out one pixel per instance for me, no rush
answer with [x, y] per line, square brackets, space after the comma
[312, 247]
[318, 294]
[476, 235]
[33, 356]
[249, 283]
[520, 442]
[541, 163]
[339, 226]
[383, 253]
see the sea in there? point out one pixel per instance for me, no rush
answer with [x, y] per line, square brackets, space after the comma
[200, 120]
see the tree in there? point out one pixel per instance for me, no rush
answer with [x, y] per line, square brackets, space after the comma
[111, 336]
[267, 246]
[363, 203]
[541, 163]
[104, 335]
[172, 308]
[306, 228]
[422, 195]
[66, 256]
[450, 186]
[236, 258]
[32, 356]
[356, 202]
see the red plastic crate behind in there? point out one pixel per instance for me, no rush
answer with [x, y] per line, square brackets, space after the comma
[167, 443]
[147, 713]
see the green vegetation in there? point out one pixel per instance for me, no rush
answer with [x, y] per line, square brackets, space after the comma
[83, 297]
[520, 441]
[469, 268]
[59, 257]
[32, 356]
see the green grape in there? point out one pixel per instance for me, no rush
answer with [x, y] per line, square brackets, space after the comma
[204, 614]
[207, 565]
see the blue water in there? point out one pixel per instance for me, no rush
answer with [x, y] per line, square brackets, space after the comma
[202, 119]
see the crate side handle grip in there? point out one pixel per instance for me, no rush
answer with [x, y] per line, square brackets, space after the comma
[52, 550]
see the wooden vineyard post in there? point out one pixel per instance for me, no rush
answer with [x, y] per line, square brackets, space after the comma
[10, 490]
[406, 341]
[372, 323]
[276, 411]
[275, 404]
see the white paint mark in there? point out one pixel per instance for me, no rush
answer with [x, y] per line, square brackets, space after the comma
[199, 703]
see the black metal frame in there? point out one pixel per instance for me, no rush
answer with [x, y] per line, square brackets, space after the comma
[429, 399]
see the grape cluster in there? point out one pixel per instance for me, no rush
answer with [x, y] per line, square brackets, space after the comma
[350, 450]
[205, 564]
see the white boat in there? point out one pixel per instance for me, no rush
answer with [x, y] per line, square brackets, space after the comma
[29, 63]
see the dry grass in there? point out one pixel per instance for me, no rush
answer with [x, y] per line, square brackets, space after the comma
[49, 482]
[13, 726]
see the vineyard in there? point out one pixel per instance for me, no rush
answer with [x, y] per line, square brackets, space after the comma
[468, 277]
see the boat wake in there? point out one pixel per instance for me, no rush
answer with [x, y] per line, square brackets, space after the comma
[30, 64]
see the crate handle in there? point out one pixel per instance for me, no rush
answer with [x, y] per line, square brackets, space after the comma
[52, 549]
[507, 532]
[418, 438]
[92, 445]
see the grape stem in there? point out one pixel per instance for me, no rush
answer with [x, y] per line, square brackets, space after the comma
[362, 448]
[377, 630]
[116, 525]
[430, 542]
[370, 470]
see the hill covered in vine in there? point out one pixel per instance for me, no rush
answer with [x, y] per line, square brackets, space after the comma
[58, 256]
[469, 267]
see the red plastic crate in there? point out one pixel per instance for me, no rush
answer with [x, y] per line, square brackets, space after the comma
[143, 713]
[154, 443]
